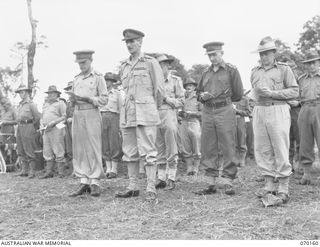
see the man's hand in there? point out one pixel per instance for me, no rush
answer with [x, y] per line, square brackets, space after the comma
[51, 125]
[264, 92]
[205, 96]
[69, 120]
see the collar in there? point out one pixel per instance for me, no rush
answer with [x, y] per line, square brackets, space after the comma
[24, 101]
[89, 74]
[221, 65]
[140, 58]
[317, 74]
[275, 64]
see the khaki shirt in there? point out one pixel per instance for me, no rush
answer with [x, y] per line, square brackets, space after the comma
[93, 86]
[27, 110]
[309, 87]
[52, 111]
[174, 92]
[192, 105]
[143, 88]
[280, 79]
[115, 99]
[9, 115]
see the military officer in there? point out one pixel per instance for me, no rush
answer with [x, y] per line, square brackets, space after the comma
[142, 81]
[309, 116]
[190, 129]
[53, 113]
[219, 86]
[273, 84]
[111, 138]
[28, 118]
[167, 131]
[89, 92]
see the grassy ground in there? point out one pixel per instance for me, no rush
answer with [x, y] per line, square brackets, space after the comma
[41, 209]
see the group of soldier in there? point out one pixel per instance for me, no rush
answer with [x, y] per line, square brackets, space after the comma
[145, 116]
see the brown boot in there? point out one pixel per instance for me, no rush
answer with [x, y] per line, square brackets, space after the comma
[49, 170]
[32, 169]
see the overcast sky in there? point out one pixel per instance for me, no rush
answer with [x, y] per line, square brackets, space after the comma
[176, 27]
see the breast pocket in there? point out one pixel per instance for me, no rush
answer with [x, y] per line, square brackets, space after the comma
[140, 76]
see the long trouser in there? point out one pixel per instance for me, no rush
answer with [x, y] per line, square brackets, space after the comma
[271, 137]
[139, 144]
[166, 143]
[294, 134]
[218, 133]
[241, 146]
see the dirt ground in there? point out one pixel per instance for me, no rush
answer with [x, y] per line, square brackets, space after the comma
[41, 209]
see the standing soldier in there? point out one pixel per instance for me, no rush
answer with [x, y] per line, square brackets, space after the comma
[243, 112]
[219, 86]
[111, 138]
[190, 129]
[273, 84]
[68, 136]
[89, 92]
[28, 118]
[53, 113]
[142, 81]
[167, 131]
[309, 116]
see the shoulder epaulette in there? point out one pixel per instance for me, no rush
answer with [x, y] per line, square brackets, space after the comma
[96, 73]
[123, 61]
[302, 76]
[255, 68]
[231, 66]
[148, 57]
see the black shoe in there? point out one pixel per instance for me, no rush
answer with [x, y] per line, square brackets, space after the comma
[284, 197]
[22, 175]
[170, 185]
[161, 184]
[112, 175]
[82, 189]
[95, 190]
[191, 173]
[228, 190]
[208, 191]
[46, 175]
[127, 194]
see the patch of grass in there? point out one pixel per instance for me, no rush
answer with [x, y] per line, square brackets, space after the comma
[41, 209]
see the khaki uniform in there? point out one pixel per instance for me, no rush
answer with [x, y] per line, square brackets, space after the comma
[142, 83]
[87, 126]
[219, 119]
[167, 131]
[271, 119]
[68, 135]
[53, 138]
[27, 117]
[242, 112]
[190, 132]
[111, 136]
[309, 117]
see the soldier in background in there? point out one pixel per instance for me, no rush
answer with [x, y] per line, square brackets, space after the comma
[68, 130]
[219, 86]
[243, 112]
[53, 113]
[142, 81]
[111, 137]
[28, 118]
[89, 92]
[167, 131]
[190, 129]
[273, 84]
[309, 116]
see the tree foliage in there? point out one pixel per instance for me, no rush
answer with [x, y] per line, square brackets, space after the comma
[310, 37]
[196, 71]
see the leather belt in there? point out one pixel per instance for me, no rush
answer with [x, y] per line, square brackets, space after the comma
[108, 112]
[270, 103]
[311, 102]
[217, 105]
[27, 121]
[84, 107]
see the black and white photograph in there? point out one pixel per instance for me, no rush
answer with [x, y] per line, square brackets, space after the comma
[159, 120]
